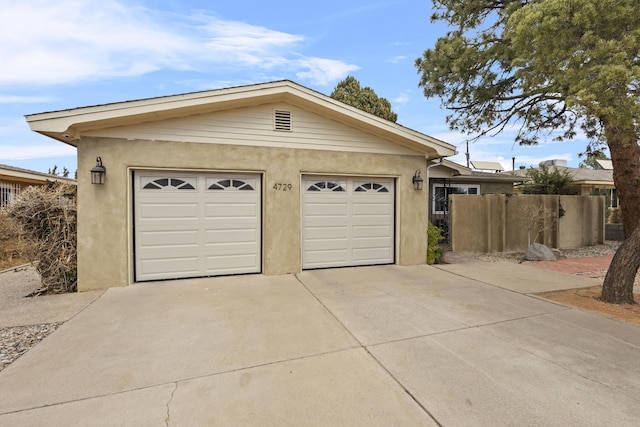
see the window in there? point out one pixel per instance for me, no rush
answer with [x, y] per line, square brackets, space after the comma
[372, 187]
[326, 186]
[440, 202]
[230, 184]
[170, 184]
[8, 193]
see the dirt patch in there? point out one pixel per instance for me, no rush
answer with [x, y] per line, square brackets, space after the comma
[589, 299]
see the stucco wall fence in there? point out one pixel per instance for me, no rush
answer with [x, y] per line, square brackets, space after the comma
[499, 223]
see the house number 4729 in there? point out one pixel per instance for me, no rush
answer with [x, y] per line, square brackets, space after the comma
[281, 186]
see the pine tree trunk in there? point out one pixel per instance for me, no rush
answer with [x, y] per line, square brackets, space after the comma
[618, 283]
[625, 156]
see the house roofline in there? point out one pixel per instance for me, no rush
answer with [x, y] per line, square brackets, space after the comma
[14, 173]
[68, 125]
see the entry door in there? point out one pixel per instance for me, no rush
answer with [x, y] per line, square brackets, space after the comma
[347, 221]
[196, 225]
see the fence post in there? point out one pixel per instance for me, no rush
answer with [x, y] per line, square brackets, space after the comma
[489, 227]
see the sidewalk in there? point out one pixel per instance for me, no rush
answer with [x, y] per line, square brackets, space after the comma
[595, 267]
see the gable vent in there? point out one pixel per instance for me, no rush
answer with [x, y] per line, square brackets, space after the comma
[282, 120]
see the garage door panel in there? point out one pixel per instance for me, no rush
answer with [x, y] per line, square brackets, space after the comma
[162, 211]
[370, 243]
[229, 210]
[326, 258]
[327, 244]
[231, 264]
[232, 248]
[183, 265]
[169, 238]
[231, 260]
[368, 209]
[354, 226]
[327, 232]
[371, 220]
[232, 236]
[185, 229]
[366, 255]
[229, 224]
[328, 209]
[373, 231]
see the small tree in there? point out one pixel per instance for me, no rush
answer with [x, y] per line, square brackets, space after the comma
[544, 180]
[365, 99]
[47, 215]
[538, 219]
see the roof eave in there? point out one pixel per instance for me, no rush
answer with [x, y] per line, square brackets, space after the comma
[67, 125]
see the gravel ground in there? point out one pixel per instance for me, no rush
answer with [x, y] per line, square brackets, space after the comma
[17, 340]
[608, 248]
[25, 321]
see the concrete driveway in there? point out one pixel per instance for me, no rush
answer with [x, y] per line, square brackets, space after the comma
[383, 345]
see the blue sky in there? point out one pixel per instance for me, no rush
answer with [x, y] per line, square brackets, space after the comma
[72, 53]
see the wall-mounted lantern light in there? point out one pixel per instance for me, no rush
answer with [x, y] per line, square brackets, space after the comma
[417, 180]
[98, 172]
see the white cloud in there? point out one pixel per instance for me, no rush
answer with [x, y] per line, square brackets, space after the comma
[323, 71]
[397, 59]
[44, 42]
[13, 125]
[17, 99]
[19, 143]
[403, 98]
[19, 152]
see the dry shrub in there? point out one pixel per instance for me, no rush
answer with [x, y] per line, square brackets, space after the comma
[47, 216]
[615, 216]
[538, 219]
[14, 248]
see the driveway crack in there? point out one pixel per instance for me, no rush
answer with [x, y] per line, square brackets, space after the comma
[167, 420]
[329, 311]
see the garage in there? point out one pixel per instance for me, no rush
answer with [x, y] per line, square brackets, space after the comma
[268, 178]
[196, 224]
[347, 221]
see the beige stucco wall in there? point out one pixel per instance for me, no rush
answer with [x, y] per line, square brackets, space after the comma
[105, 216]
[496, 223]
[496, 187]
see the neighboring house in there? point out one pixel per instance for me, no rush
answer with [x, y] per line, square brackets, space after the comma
[590, 181]
[448, 178]
[269, 178]
[13, 180]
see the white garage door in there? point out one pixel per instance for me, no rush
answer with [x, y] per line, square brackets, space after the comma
[347, 221]
[196, 225]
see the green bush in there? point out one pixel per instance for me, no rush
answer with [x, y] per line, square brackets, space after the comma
[434, 237]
